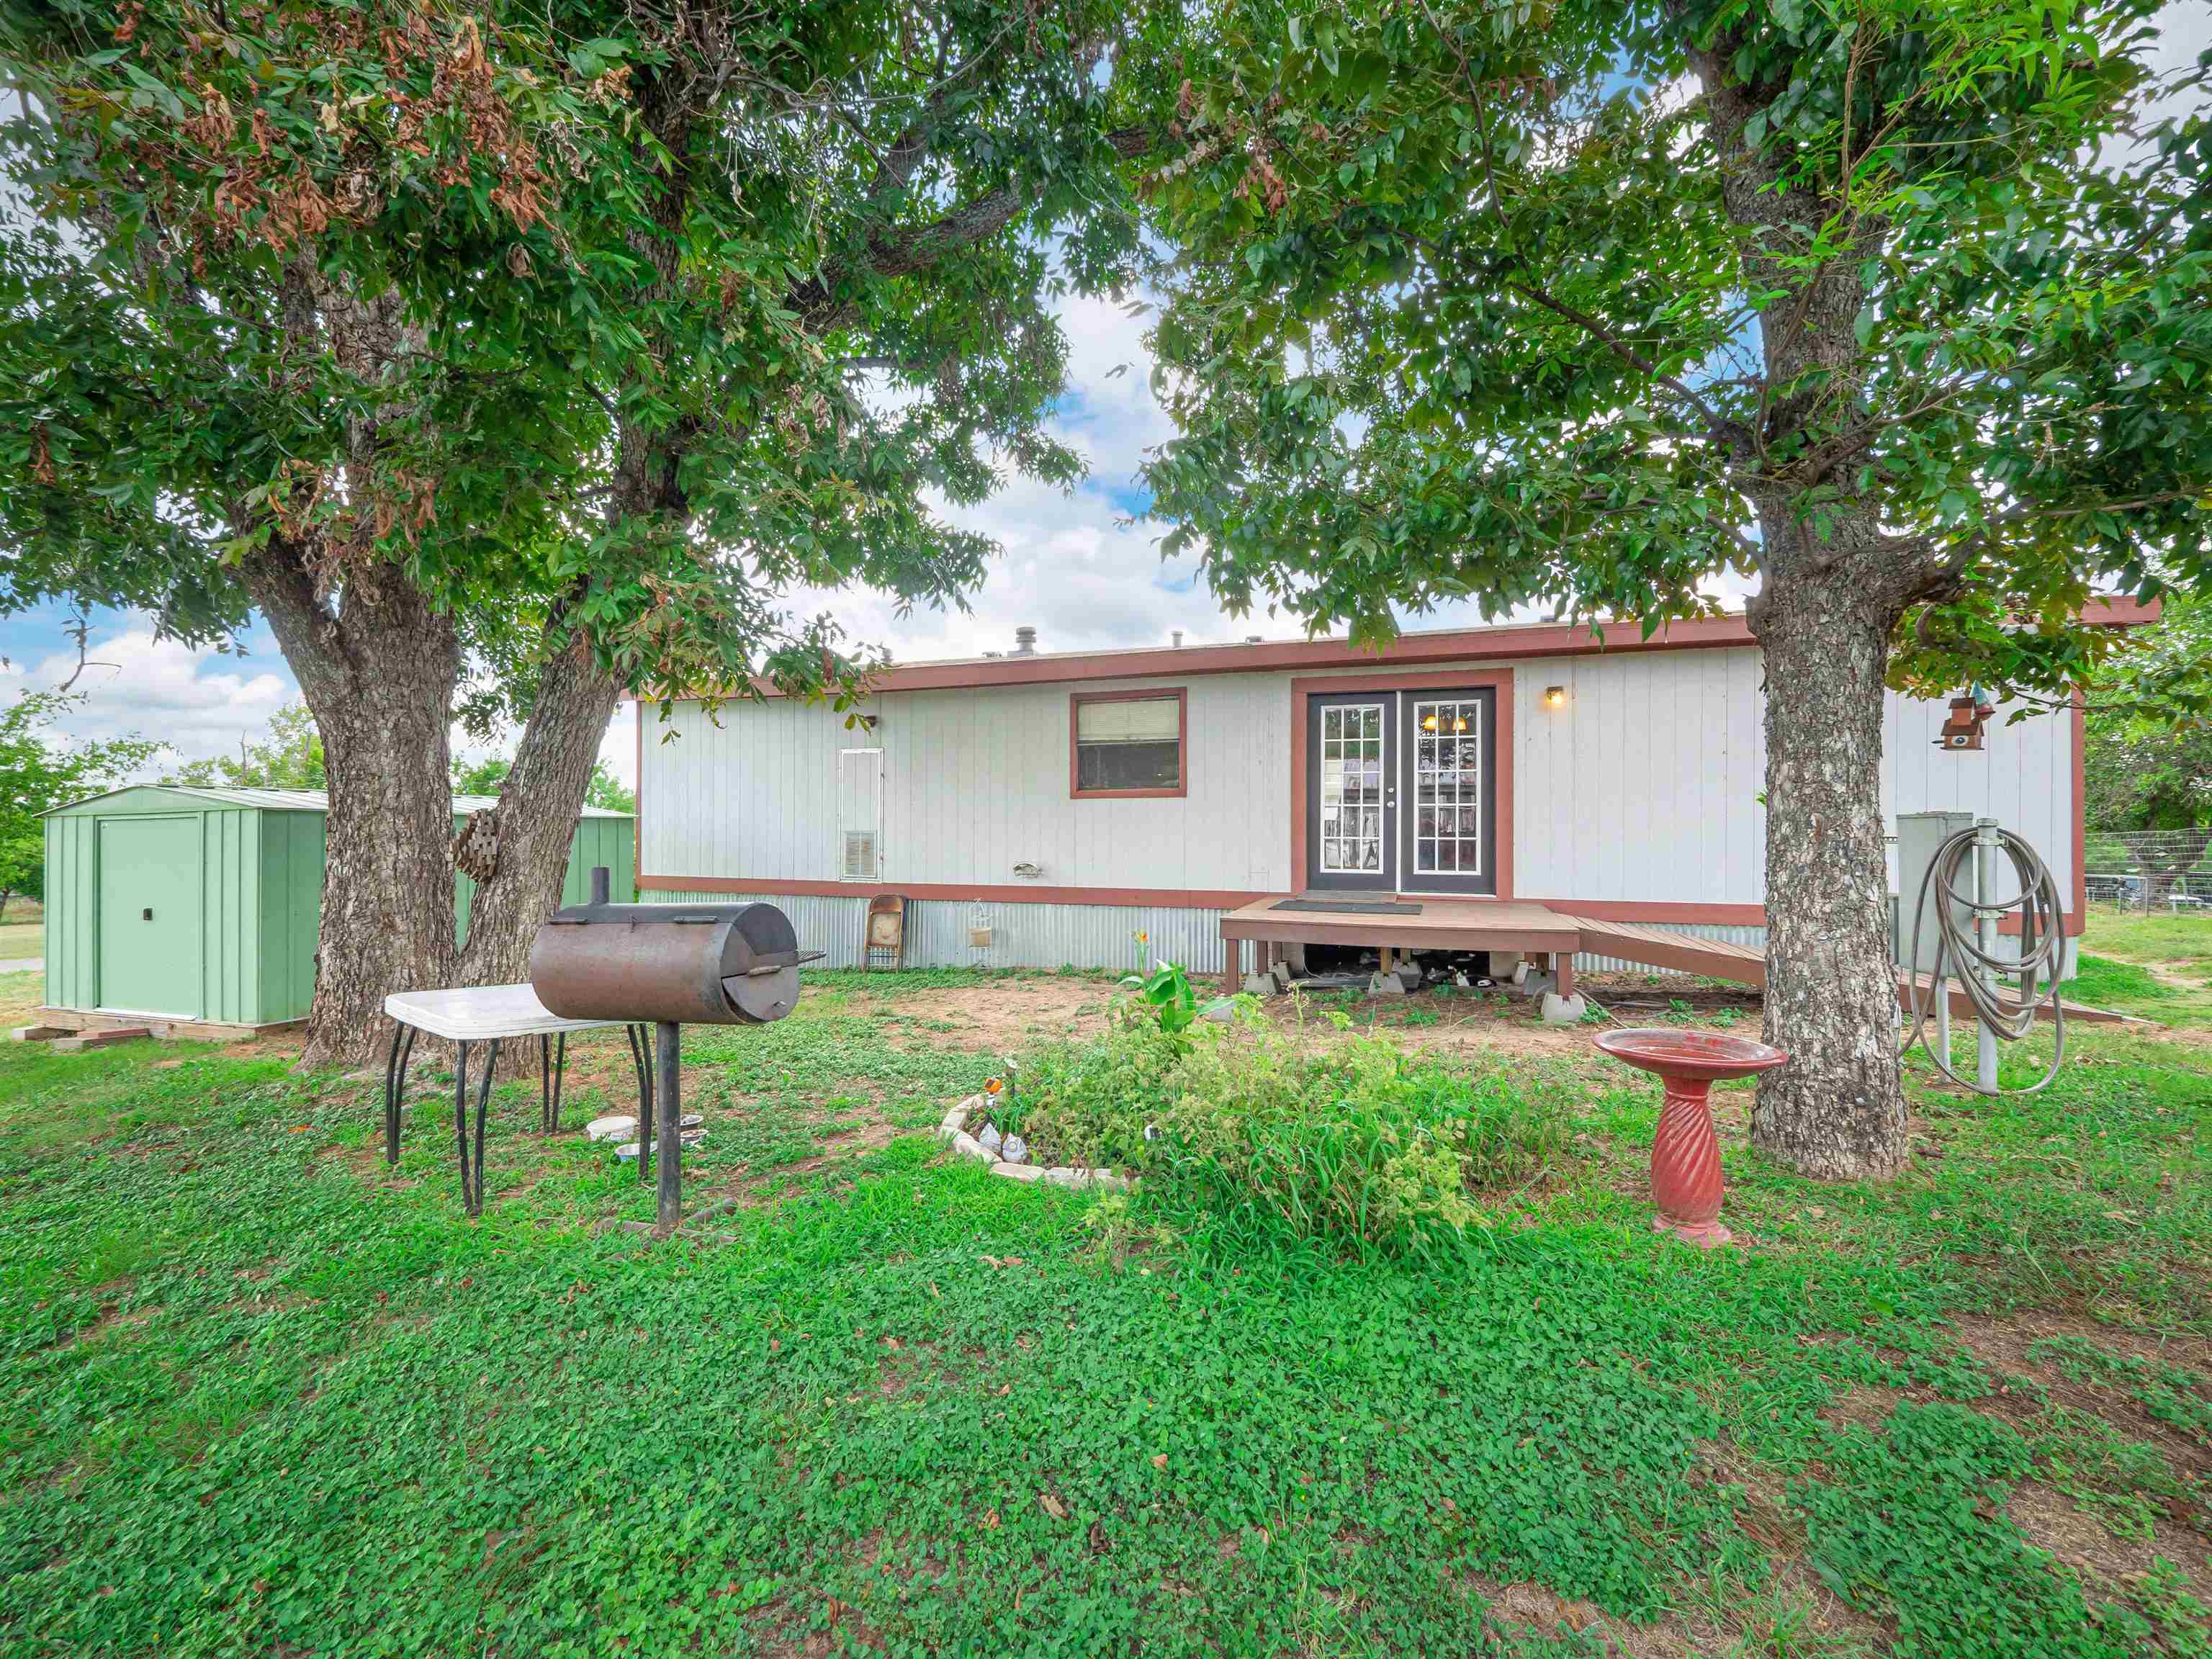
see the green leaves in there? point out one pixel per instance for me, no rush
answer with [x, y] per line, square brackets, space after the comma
[595, 335]
[1565, 365]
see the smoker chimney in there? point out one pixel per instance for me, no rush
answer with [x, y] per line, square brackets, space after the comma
[1025, 642]
[599, 883]
[1176, 637]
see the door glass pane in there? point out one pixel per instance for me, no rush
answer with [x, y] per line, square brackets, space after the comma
[1448, 788]
[1352, 788]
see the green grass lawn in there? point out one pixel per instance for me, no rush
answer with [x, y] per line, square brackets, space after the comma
[259, 1395]
[2157, 967]
[21, 939]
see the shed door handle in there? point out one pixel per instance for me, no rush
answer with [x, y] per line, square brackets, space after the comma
[146, 915]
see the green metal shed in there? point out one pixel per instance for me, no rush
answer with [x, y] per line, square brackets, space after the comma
[202, 904]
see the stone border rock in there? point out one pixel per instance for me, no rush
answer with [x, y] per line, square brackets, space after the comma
[954, 1131]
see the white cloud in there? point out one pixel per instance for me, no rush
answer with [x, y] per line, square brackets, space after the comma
[197, 703]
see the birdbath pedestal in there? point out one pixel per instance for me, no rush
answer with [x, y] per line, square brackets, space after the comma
[1686, 1153]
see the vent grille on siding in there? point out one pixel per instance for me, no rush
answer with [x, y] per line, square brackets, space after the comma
[859, 854]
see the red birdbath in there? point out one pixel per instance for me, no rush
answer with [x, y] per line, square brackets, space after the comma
[1686, 1153]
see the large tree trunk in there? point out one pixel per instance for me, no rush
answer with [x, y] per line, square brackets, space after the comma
[1837, 1111]
[378, 672]
[1834, 585]
[518, 852]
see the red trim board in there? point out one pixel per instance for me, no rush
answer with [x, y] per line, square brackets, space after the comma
[1510, 641]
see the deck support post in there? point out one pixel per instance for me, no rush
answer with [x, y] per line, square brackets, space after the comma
[1232, 965]
[1563, 970]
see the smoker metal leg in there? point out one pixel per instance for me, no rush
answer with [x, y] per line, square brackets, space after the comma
[548, 1087]
[641, 1055]
[668, 1208]
[395, 1086]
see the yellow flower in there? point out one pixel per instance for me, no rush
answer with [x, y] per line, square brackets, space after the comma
[1144, 938]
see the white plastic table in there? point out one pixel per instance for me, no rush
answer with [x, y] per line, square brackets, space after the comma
[472, 1014]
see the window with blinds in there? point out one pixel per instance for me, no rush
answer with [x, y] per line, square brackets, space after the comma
[1126, 744]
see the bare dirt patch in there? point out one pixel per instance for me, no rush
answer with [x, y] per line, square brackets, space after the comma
[1008, 1016]
[2007, 1347]
[1793, 1598]
[110, 1321]
[1865, 1404]
[2005, 1342]
[1004, 1015]
[2080, 1542]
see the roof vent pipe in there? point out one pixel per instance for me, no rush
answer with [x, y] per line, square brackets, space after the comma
[1176, 637]
[1025, 642]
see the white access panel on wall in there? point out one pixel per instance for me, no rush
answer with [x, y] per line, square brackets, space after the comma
[860, 814]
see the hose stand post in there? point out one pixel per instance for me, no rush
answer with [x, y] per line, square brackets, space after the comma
[1987, 846]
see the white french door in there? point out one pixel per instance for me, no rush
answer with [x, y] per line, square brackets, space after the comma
[1351, 794]
[1401, 791]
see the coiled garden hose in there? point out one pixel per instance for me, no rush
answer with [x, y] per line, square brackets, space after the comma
[2008, 1011]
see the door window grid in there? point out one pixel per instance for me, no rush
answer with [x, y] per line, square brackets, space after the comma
[1448, 788]
[1351, 789]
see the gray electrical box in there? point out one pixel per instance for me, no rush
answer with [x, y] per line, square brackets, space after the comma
[1919, 835]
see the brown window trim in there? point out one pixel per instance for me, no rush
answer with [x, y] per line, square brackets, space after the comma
[1147, 694]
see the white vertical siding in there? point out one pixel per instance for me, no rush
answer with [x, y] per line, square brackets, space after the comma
[975, 782]
[2024, 778]
[1642, 787]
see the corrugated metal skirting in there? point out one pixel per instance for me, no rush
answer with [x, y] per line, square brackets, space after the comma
[1096, 936]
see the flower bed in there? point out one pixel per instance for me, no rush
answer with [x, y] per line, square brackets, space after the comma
[976, 1110]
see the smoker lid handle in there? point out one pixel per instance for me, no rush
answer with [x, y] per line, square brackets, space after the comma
[779, 960]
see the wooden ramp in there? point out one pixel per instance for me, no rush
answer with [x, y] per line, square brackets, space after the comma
[1740, 965]
[1743, 964]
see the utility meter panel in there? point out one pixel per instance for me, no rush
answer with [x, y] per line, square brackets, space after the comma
[1919, 835]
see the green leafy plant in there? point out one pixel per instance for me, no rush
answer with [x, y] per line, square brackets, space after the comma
[1251, 1133]
[1166, 996]
[217, 1314]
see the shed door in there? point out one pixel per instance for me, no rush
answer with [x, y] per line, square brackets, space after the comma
[149, 916]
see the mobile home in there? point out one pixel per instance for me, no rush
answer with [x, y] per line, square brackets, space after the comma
[1102, 809]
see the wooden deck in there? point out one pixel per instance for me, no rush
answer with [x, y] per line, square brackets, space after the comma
[1514, 925]
[1441, 925]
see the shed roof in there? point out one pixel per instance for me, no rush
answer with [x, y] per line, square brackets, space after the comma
[290, 800]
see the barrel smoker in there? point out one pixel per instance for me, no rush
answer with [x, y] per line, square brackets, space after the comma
[672, 964]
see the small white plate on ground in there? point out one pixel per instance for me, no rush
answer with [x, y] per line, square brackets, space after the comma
[628, 1150]
[614, 1128]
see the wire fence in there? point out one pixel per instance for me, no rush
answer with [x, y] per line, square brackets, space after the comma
[2146, 869]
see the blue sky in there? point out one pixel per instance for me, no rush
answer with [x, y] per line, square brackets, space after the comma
[1073, 566]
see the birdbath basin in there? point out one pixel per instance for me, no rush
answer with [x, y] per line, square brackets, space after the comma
[1686, 1153]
